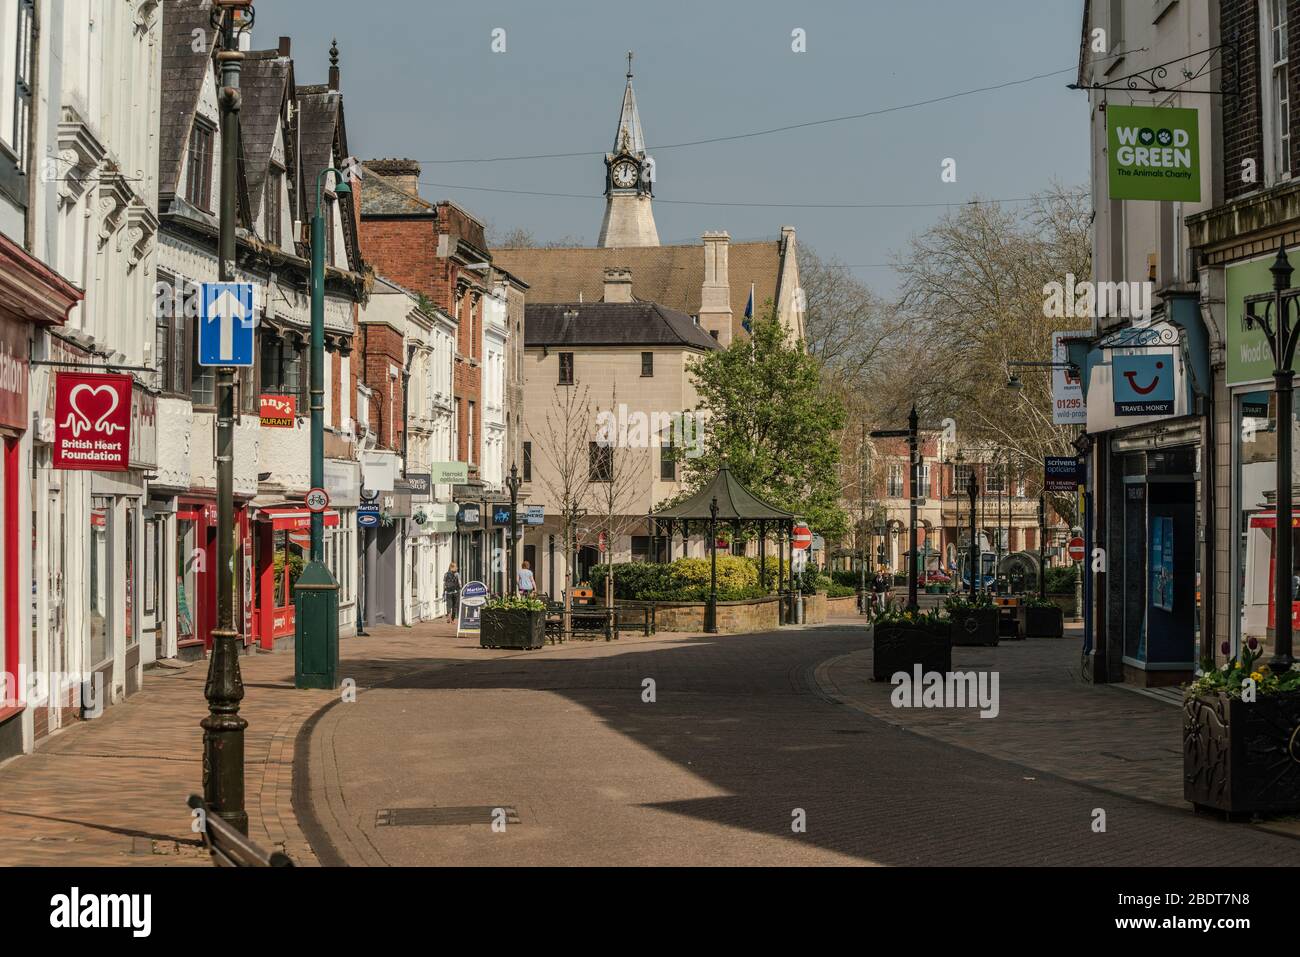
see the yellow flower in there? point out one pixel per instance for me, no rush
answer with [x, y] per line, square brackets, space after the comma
[1256, 676]
[1236, 665]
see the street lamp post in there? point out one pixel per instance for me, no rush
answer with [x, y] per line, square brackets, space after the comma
[1282, 334]
[316, 595]
[711, 609]
[973, 490]
[1042, 538]
[910, 433]
[513, 483]
[223, 728]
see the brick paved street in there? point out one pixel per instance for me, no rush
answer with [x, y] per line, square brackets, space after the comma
[741, 734]
[744, 730]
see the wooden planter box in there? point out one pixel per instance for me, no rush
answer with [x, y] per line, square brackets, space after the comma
[512, 628]
[897, 648]
[974, 626]
[1043, 622]
[1240, 757]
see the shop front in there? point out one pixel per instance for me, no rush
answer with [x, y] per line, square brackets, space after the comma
[1142, 413]
[195, 548]
[1248, 375]
[279, 551]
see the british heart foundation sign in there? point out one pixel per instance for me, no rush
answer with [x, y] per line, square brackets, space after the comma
[92, 421]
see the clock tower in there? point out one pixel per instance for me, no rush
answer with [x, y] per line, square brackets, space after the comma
[629, 181]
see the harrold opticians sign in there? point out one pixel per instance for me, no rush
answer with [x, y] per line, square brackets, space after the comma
[1153, 153]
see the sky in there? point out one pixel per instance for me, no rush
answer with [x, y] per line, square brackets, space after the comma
[421, 80]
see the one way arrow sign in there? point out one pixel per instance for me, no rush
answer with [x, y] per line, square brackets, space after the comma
[227, 327]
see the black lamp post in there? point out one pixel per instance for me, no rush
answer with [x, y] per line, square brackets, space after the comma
[972, 491]
[910, 433]
[711, 609]
[1042, 537]
[513, 483]
[1282, 335]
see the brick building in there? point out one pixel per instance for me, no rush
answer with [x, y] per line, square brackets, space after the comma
[439, 251]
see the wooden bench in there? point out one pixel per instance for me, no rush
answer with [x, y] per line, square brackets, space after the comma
[228, 847]
[592, 620]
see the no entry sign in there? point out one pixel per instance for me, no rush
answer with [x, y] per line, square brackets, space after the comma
[802, 537]
[1076, 549]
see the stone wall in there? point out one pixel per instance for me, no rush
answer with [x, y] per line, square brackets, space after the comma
[734, 617]
[846, 607]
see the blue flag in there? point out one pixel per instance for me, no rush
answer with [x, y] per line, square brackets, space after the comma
[748, 321]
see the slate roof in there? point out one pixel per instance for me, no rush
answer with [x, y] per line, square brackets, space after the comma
[321, 131]
[183, 72]
[265, 80]
[735, 502]
[612, 324]
[669, 275]
[380, 196]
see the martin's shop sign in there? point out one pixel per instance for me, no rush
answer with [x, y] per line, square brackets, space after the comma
[1153, 153]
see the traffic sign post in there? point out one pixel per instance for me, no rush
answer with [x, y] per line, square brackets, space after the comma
[227, 328]
[802, 538]
[317, 500]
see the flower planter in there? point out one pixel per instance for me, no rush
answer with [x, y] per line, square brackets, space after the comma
[1044, 622]
[512, 628]
[974, 626]
[1242, 757]
[897, 648]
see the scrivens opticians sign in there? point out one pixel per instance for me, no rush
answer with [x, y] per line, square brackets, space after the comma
[1153, 153]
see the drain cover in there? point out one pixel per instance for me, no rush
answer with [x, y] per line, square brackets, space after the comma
[434, 816]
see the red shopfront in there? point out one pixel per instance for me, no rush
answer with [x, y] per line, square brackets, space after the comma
[31, 294]
[196, 580]
[281, 543]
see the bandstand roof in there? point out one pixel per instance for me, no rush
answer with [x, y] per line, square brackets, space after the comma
[735, 503]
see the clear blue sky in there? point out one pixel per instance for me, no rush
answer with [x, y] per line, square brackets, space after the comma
[421, 81]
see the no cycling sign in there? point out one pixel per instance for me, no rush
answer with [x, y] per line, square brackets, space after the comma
[1153, 153]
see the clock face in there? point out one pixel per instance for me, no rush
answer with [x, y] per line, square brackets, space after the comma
[624, 175]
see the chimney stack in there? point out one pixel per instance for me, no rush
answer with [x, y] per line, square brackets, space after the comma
[284, 47]
[715, 291]
[618, 284]
[402, 173]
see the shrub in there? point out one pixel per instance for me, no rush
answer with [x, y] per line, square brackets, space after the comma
[1061, 579]
[735, 573]
[835, 590]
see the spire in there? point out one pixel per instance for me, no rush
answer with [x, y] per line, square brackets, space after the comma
[628, 137]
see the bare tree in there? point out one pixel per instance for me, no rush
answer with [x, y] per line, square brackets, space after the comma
[620, 478]
[563, 475]
[973, 296]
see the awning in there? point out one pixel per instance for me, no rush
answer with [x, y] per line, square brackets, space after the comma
[293, 519]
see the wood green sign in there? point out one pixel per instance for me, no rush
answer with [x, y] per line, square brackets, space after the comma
[1153, 153]
[1249, 358]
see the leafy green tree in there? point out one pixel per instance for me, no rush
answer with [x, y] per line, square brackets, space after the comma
[768, 413]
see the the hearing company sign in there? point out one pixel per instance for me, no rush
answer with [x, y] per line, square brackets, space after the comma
[1153, 153]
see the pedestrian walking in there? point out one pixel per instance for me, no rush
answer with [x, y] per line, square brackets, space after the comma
[527, 584]
[451, 588]
[881, 586]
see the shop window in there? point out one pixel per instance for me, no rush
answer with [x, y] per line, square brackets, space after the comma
[189, 563]
[1255, 489]
[130, 568]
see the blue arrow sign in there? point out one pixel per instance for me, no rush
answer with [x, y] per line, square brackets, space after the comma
[227, 326]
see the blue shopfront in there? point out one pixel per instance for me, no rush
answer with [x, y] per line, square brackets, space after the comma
[1146, 409]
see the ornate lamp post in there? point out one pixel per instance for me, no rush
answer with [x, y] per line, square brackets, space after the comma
[316, 594]
[972, 491]
[223, 728]
[1282, 333]
[513, 482]
[711, 609]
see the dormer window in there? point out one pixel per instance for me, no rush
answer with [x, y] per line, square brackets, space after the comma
[198, 166]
